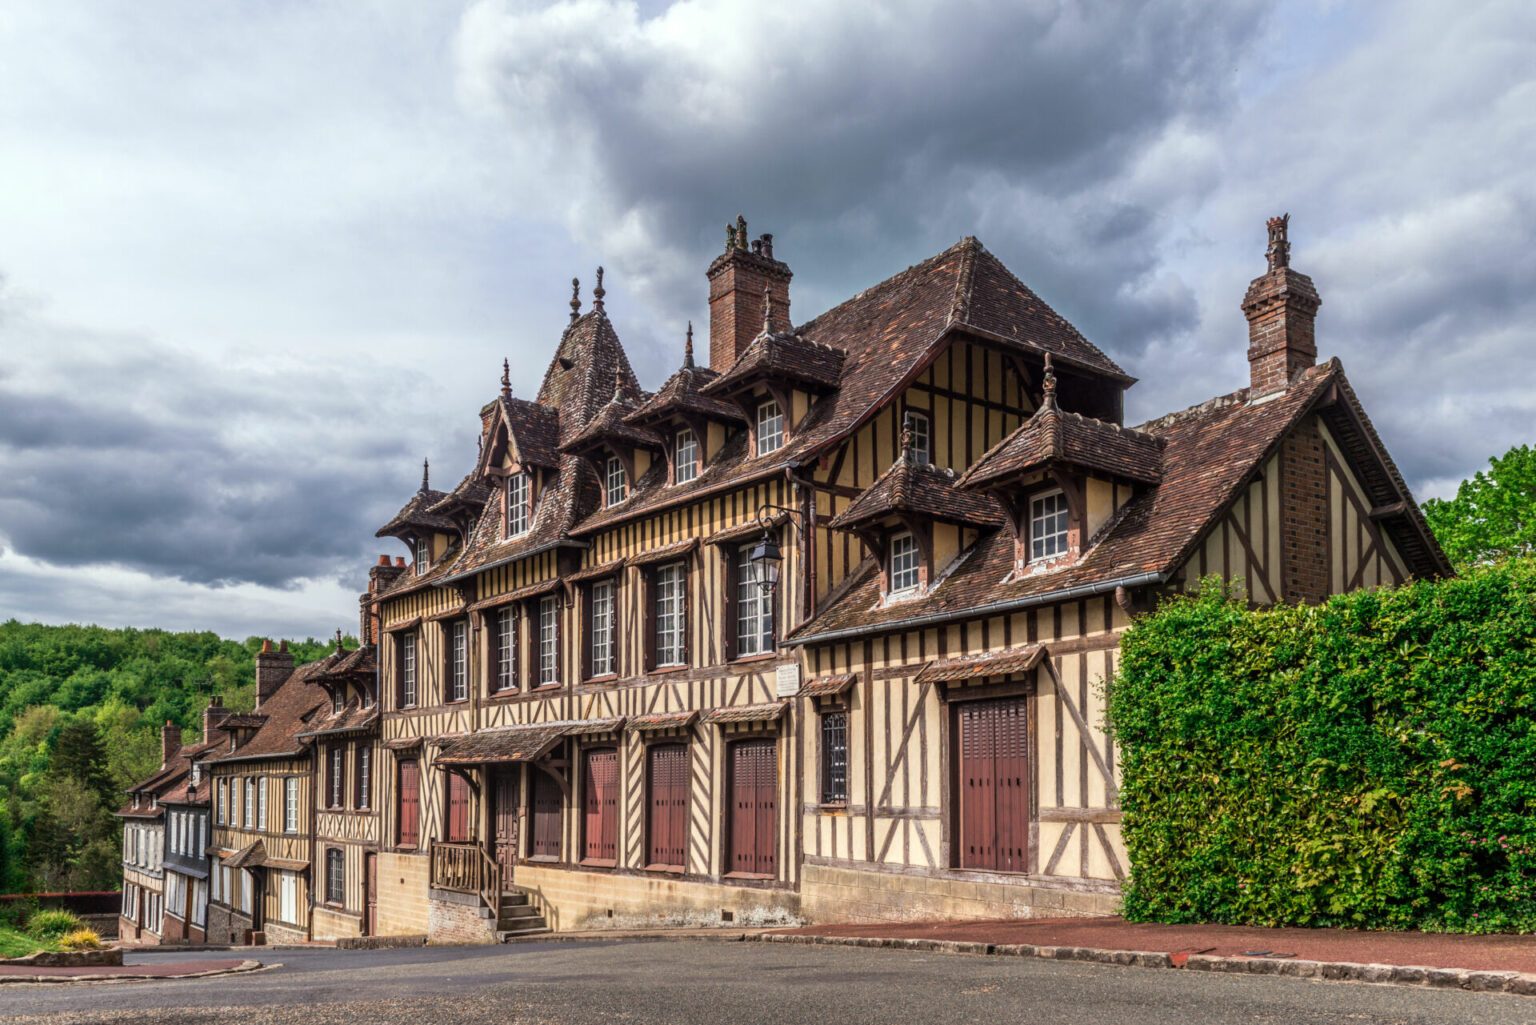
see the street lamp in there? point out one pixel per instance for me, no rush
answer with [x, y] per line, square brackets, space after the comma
[766, 561]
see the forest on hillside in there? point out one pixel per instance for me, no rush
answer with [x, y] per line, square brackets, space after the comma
[80, 715]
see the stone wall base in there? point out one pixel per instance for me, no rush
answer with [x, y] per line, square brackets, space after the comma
[226, 925]
[839, 894]
[278, 932]
[458, 918]
[571, 899]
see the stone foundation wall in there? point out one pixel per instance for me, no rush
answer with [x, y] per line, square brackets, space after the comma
[837, 894]
[172, 929]
[278, 932]
[403, 881]
[575, 899]
[225, 925]
[330, 924]
[458, 918]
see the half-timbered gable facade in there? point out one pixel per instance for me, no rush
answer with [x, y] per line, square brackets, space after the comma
[820, 629]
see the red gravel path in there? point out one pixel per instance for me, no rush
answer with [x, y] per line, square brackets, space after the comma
[1492, 953]
[160, 970]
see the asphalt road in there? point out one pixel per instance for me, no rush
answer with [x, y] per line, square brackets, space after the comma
[639, 983]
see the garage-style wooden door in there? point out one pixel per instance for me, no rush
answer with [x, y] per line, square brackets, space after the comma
[754, 787]
[544, 836]
[993, 784]
[601, 803]
[667, 824]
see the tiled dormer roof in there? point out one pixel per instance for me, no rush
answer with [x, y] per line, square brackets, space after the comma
[784, 357]
[1055, 436]
[536, 429]
[611, 427]
[925, 491]
[417, 515]
[683, 395]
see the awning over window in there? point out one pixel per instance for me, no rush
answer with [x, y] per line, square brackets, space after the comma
[745, 713]
[827, 686]
[503, 744]
[990, 663]
[676, 550]
[252, 855]
[587, 727]
[662, 721]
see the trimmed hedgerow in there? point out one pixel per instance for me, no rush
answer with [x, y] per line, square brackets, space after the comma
[1367, 762]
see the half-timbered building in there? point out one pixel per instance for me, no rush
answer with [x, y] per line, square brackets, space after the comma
[820, 629]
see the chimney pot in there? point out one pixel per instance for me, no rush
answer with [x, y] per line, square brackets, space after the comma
[383, 560]
[1281, 307]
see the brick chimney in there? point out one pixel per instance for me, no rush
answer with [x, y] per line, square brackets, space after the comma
[272, 668]
[1281, 307]
[737, 280]
[213, 715]
[170, 742]
[380, 575]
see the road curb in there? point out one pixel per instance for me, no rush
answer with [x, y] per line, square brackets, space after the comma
[242, 968]
[1422, 976]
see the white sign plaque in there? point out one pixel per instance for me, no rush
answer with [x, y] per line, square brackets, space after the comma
[788, 680]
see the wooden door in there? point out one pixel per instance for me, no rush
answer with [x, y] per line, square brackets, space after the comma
[458, 808]
[600, 802]
[504, 821]
[370, 894]
[544, 839]
[667, 821]
[993, 784]
[754, 786]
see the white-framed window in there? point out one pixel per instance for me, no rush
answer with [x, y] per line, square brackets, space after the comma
[338, 701]
[506, 649]
[922, 437]
[458, 661]
[754, 608]
[364, 797]
[261, 803]
[199, 902]
[291, 804]
[904, 563]
[1048, 525]
[613, 481]
[200, 823]
[220, 795]
[423, 554]
[250, 802]
[216, 877]
[686, 461]
[671, 620]
[549, 640]
[602, 652]
[517, 504]
[176, 894]
[770, 427]
[408, 670]
[338, 765]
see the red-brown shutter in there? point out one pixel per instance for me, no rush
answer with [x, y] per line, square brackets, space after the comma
[601, 804]
[547, 804]
[994, 784]
[458, 808]
[409, 825]
[667, 830]
[754, 806]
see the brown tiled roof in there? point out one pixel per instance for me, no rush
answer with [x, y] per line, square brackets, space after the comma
[781, 357]
[827, 686]
[662, 721]
[535, 430]
[587, 727]
[925, 491]
[417, 514]
[502, 744]
[244, 721]
[975, 667]
[560, 505]
[664, 553]
[1054, 436]
[744, 713]
[252, 855]
[682, 396]
[471, 494]
[580, 378]
[172, 782]
[352, 718]
[289, 712]
[611, 427]
[519, 594]
[1210, 453]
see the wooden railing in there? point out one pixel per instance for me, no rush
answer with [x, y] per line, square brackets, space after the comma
[466, 868]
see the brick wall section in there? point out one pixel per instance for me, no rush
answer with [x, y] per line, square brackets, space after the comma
[459, 921]
[1304, 548]
[1281, 307]
[402, 905]
[737, 279]
[835, 894]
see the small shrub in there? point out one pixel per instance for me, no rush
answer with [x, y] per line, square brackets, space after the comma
[51, 924]
[80, 939]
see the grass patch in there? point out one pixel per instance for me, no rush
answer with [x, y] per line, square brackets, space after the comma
[19, 944]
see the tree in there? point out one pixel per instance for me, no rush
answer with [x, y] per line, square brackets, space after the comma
[1493, 516]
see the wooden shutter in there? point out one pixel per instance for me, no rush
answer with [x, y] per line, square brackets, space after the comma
[601, 806]
[458, 808]
[547, 804]
[667, 828]
[754, 806]
[994, 784]
[409, 826]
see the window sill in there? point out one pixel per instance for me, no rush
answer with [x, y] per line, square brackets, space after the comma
[748, 875]
[545, 688]
[602, 678]
[832, 808]
[542, 859]
[672, 870]
[678, 667]
[598, 863]
[762, 656]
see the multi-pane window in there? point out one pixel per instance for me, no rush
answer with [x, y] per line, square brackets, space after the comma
[338, 701]
[613, 481]
[517, 504]
[458, 660]
[408, 803]
[671, 624]
[408, 670]
[338, 761]
[1048, 526]
[834, 758]
[549, 640]
[770, 427]
[250, 802]
[335, 876]
[601, 620]
[291, 804]
[687, 458]
[922, 439]
[754, 608]
[363, 798]
[506, 648]
[423, 554]
[220, 799]
[904, 563]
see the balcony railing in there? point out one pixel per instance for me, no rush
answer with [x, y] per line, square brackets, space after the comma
[466, 868]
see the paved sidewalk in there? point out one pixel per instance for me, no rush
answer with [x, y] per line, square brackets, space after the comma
[1478, 953]
[164, 970]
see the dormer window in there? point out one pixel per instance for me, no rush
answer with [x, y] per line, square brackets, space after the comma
[1047, 526]
[613, 481]
[517, 504]
[337, 703]
[686, 461]
[423, 554]
[770, 427]
[922, 445]
[905, 561]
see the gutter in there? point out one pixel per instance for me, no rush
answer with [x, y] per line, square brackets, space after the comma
[1011, 605]
[536, 550]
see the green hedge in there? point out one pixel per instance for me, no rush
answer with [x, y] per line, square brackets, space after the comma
[1368, 762]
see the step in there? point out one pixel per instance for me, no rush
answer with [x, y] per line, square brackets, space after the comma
[518, 911]
[514, 899]
[524, 927]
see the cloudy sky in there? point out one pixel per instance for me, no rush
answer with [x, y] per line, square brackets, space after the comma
[257, 260]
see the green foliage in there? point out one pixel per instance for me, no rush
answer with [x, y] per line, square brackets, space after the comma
[1493, 516]
[18, 944]
[1366, 762]
[53, 923]
[80, 715]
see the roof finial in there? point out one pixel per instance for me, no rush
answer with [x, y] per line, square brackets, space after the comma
[339, 647]
[506, 377]
[424, 471]
[906, 442]
[688, 348]
[575, 299]
[767, 310]
[741, 232]
[598, 293]
[1048, 385]
[730, 237]
[1279, 252]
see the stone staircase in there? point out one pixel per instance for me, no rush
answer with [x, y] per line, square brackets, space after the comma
[518, 917]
